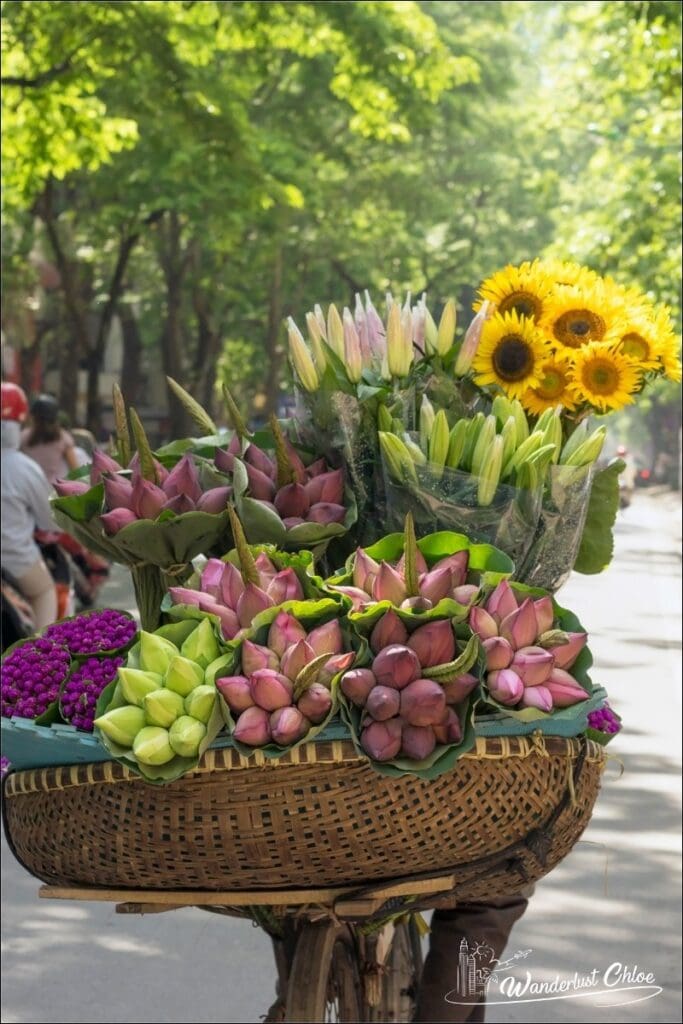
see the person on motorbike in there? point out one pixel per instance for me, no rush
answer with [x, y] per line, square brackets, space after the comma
[25, 492]
[46, 442]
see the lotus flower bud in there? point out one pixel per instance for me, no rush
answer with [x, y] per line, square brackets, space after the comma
[266, 570]
[338, 663]
[433, 643]
[482, 623]
[383, 702]
[155, 652]
[212, 577]
[257, 458]
[456, 690]
[416, 604]
[388, 630]
[316, 468]
[292, 500]
[466, 594]
[326, 487]
[545, 614]
[230, 626]
[284, 632]
[396, 666]
[564, 689]
[420, 564]
[236, 691]
[200, 703]
[115, 520]
[295, 659]
[498, 653]
[160, 471]
[162, 707]
[224, 461]
[458, 565]
[182, 595]
[255, 657]
[118, 491]
[537, 697]
[215, 500]
[253, 727]
[450, 730]
[70, 488]
[122, 724]
[326, 513]
[436, 585]
[326, 639]
[382, 740]
[285, 586]
[358, 598]
[316, 703]
[295, 462]
[423, 702]
[183, 479]
[232, 585]
[261, 486]
[251, 603]
[289, 522]
[287, 726]
[151, 746]
[102, 463]
[532, 664]
[566, 654]
[183, 675]
[505, 686]
[136, 684]
[502, 601]
[417, 742]
[356, 684]
[365, 571]
[271, 690]
[186, 735]
[201, 646]
[178, 504]
[147, 499]
[389, 585]
[519, 628]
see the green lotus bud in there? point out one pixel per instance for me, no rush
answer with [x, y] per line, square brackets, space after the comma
[201, 645]
[483, 445]
[397, 457]
[427, 415]
[509, 435]
[136, 684]
[456, 444]
[200, 703]
[122, 724]
[183, 676]
[162, 707]
[185, 735]
[155, 652]
[439, 442]
[473, 427]
[152, 746]
[490, 474]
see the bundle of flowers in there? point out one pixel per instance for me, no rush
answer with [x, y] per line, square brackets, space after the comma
[105, 631]
[31, 676]
[603, 724]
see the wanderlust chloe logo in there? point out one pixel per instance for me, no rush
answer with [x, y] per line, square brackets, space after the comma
[479, 972]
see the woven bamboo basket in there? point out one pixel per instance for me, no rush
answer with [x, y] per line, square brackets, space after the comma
[503, 817]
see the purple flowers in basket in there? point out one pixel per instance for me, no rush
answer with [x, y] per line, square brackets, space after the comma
[83, 688]
[32, 675]
[94, 632]
[604, 720]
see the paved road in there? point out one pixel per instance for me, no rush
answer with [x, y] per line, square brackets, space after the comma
[615, 899]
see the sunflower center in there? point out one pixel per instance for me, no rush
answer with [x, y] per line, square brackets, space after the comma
[601, 376]
[578, 326]
[553, 384]
[523, 303]
[513, 358]
[635, 345]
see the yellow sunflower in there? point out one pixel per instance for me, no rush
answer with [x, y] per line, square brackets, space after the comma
[510, 354]
[603, 377]
[638, 340]
[669, 346]
[580, 314]
[566, 273]
[524, 290]
[634, 299]
[552, 389]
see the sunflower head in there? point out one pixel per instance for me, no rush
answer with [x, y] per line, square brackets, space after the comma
[564, 273]
[553, 388]
[523, 290]
[510, 354]
[638, 340]
[604, 377]
[579, 315]
[668, 344]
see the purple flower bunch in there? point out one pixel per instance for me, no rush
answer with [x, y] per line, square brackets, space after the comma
[31, 677]
[604, 720]
[83, 688]
[5, 765]
[94, 632]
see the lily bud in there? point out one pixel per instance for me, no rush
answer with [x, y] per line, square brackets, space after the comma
[212, 577]
[505, 686]
[383, 702]
[468, 349]
[532, 664]
[356, 684]
[335, 332]
[316, 703]
[201, 645]
[430, 332]
[449, 731]
[136, 684]
[122, 724]
[417, 742]
[537, 697]
[232, 585]
[387, 631]
[151, 746]
[316, 337]
[284, 631]
[302, 361]
[427, 417]
[162, 707]
[433, 643]
[365, 570]
[399, 348]
[382, 740]
[261, 486]
[116, 519]
[186, 735]
[456, 690]
[102, 463]
[564, 689]
[376, 333]
[287, 726]
[183, 479]
[361, 321]
[353, 358]
[446, 332]
[285, 586]
[519, 628]
[566, 654]
[502, 602]
[466, 594]
[436, 585]
[236, 691]
[423, 702]
[251, 603]
[498, 653]
[271, 690]
[200, 703]
[255, 657]
[327, 487]
[155, 652]
[292, 500]
[482, 623]
[389, 585]
[296, 658]
[183, 675]
[326, 639]
[70, 488]
[253, 727]
[183, 595]
[545, 614]
[396, 666]
[326, 513]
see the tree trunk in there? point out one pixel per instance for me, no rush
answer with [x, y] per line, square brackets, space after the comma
[174, 265]
[132, 354]
[273, 332]
[206, 354]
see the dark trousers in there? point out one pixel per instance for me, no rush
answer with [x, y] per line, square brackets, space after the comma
[489, 924]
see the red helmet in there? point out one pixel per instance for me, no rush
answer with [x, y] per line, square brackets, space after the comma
[621, 450]
[14, 402]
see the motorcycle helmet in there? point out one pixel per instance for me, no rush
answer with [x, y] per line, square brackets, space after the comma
[621, 450]
[45, 408]
[14, 402]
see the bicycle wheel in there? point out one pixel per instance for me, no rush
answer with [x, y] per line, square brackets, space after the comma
[401, 976]
[324, 982]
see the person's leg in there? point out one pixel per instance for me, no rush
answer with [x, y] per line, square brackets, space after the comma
[39, 587]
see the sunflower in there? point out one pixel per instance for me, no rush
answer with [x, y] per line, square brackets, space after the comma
[603, 377]
[579, 314]
[524, 290]
[510, 354]
[552, 389]
[668, 345]
[638, 340]
[566, 273]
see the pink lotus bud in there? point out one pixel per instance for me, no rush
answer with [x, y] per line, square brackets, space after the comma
[230, 625]
[466, 594]
[253, 727]
[116, 519]
[284, 631]
[295, 658]
[365, 571]
[326, 513]
[261, 486]
[537, 697]
[69, 488]
[161, 471]
[259, 460]
[519, 628]
[292, 500]
[545, 614]
[416, 604]
[316, 468]
[456, 690]
[532, 664]
[236, 691]
[271, 690]
[337, 663]
[450, 730]
[255, 657]
[251, 603]
[383, 702]
[266, 569]
[502, 601]
[482, 623]
[147, 499]
[417, 742]
[316, 703]
[291, 521]
[423, 702]
[232, 585]
[566, 654]
[224, 461]
[183, 479]
[102, 463]
[326, 487]
[212, 576]
[183, 595]
[326, 639]
[388, 630]
[436, 585]
[505, 686]
[382, 740]
[433, 643]
[215, 500]
[357, 597]
[179, 504]
[389, 585]
[287, 726]
[458, 565]
[564, 689]
[295, 462]
[356, 684]
[285, 586]
[118, 491]
[498, 653]
[420, 564]
[396, 666]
